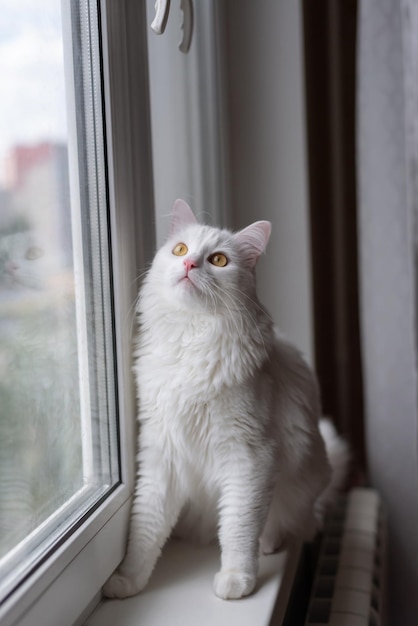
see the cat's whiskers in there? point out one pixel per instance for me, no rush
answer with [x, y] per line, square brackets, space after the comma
[254, 302]
[249, 314]
[138, 277]
[209, 292]
[231, 311]
[204, 287]
[130, 315]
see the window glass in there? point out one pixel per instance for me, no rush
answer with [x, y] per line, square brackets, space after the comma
[58, 429]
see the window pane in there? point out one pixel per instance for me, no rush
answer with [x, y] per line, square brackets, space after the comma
[58, 443]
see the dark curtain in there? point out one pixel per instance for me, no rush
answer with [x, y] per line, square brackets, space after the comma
[330, 74]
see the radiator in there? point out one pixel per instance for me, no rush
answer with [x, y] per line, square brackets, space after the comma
[349, 580]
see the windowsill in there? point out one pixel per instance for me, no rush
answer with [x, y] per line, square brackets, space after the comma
[180, 592]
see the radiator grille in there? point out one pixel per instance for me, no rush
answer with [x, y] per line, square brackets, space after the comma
[348, 587]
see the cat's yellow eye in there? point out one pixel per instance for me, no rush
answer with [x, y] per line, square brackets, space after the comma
[33, 253]
[181, 249]
[218, 259]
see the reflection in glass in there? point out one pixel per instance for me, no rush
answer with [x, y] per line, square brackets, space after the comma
[57, 450]
[40, 445]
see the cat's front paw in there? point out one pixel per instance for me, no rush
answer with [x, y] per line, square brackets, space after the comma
[233, 584]
[119, 586]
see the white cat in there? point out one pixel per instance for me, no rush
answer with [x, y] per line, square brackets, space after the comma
[229, 440]
[23, 260]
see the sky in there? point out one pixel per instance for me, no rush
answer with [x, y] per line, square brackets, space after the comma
[32, 87]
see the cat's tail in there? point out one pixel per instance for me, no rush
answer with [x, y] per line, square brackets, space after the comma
[339, 458]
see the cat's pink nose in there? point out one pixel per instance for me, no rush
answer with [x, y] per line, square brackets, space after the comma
[189, 264]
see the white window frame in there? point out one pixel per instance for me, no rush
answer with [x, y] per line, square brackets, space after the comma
[63, 589]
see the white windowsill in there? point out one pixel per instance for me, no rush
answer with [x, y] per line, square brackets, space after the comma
[180, 592]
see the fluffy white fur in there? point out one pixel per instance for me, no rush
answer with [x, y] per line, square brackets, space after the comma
[229, 441]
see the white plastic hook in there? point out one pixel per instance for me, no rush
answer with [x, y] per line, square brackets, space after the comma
[162, 9]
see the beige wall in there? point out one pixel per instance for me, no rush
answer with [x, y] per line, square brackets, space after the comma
[268, 153]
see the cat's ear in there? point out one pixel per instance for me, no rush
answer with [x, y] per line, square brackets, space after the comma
[181, 215]
[253, 240]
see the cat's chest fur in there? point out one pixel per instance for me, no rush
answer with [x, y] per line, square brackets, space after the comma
[193, 359]
[191, 376]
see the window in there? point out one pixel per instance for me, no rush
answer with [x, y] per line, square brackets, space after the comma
[59, 442]
[98, 93]
[63, 485]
